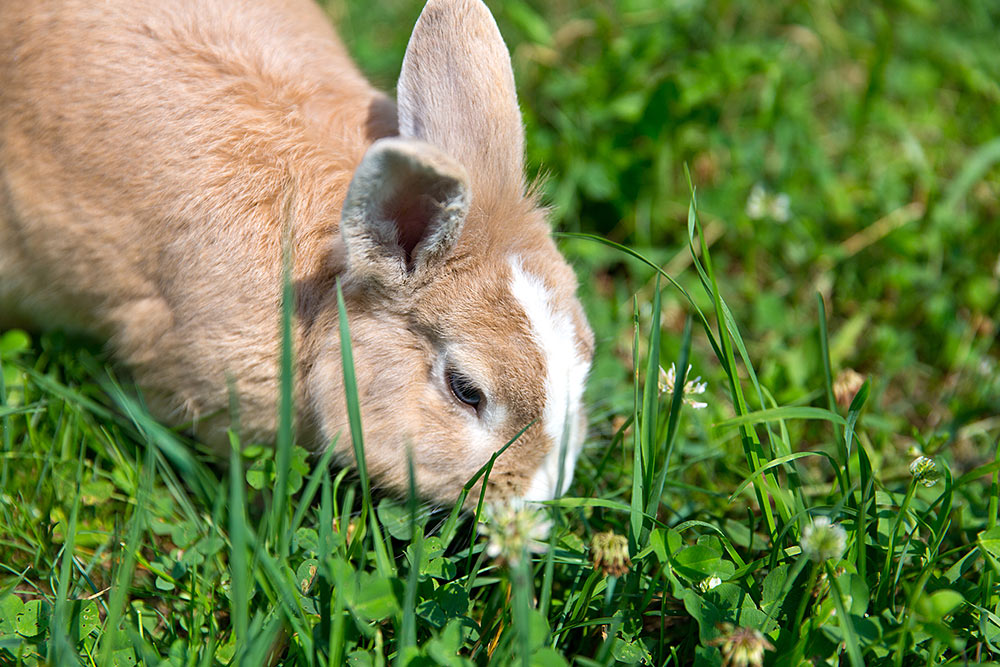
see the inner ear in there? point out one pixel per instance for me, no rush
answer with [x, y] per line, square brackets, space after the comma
[404, 210]
[414, 207]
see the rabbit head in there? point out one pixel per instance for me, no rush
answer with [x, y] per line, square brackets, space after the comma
[465, 325]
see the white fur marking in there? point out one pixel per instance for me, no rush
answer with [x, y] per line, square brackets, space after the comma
[565, 376]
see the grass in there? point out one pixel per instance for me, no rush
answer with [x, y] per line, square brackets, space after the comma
[120, 544]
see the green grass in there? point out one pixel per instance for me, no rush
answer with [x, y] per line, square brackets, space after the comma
[121, 543]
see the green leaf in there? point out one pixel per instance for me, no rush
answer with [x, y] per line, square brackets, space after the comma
[431, 612]
[445, 648]
[84, 619]
[14, 341]
[939, 604]
[305, 574]
[11, 607]
[697, 562]
[658, 544]
[32, 619]
[548, 657]
[856, 593]
[630, 652]
[307, 540]
[454, 600]
[772, 590]
[396, 519]
[538, 629]
[431, 562]
[360, 659]
[707, 656]
[989, 540]
[706, 614]
[259, 474]
[123, 657]
[374, 598]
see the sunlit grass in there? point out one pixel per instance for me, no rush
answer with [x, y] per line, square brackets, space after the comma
[782, 522]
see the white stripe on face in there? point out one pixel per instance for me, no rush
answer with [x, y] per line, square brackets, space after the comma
[566, 373]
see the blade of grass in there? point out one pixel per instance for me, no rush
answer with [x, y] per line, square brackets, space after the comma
[60, 650]
[6, 436]
[321, 470]
[556, 518]
[279, 534]
[635, 518]
[989, 594]
[451, 524]
[384, 565]
[751, 444]
[639, 256]
[408, 641]
[780, 461]
[867, 524]
[239, 571]
[673, 419]
[831, 402]
[482, 500]
[651, 398]
[520, 582]
[131, 547]
[777, 414]
[851, 640]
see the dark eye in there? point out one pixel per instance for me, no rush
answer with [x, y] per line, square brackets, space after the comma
[464, 389]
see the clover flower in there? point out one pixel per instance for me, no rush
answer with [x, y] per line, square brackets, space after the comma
[823, 540]
[925, 471]
[669, 378]
[707, 584]
[741, 647]
[846, 385]
[514, 529]
[609, 553]
[763, 204]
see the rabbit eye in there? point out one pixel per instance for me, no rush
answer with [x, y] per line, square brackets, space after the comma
[464, 389]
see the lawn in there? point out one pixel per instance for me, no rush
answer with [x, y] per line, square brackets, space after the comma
[801, 201]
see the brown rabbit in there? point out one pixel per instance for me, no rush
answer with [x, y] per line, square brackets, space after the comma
[153, 154]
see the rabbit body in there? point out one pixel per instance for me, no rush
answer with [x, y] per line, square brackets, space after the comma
[154, 158]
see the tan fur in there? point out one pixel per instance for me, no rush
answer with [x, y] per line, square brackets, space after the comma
[150, 155]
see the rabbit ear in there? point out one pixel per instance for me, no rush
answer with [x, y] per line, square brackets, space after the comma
[456, 91]
[404, 210]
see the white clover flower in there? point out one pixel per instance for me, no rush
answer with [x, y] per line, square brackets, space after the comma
[925, 471]
[513, 529]
[763, 204]
[823, 540]
[708, 584]
[757, 202]
[781, 209]
[741, 647]
[669, 378]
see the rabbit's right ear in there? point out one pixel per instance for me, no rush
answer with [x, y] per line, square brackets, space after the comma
[456, 91]
[403, 212]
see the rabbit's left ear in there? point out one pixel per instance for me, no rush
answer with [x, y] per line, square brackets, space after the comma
[404, 210]
[456, 91]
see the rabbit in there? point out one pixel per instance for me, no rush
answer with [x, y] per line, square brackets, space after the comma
[153, 157]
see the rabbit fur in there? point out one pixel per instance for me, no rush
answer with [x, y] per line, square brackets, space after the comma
[153, 157]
